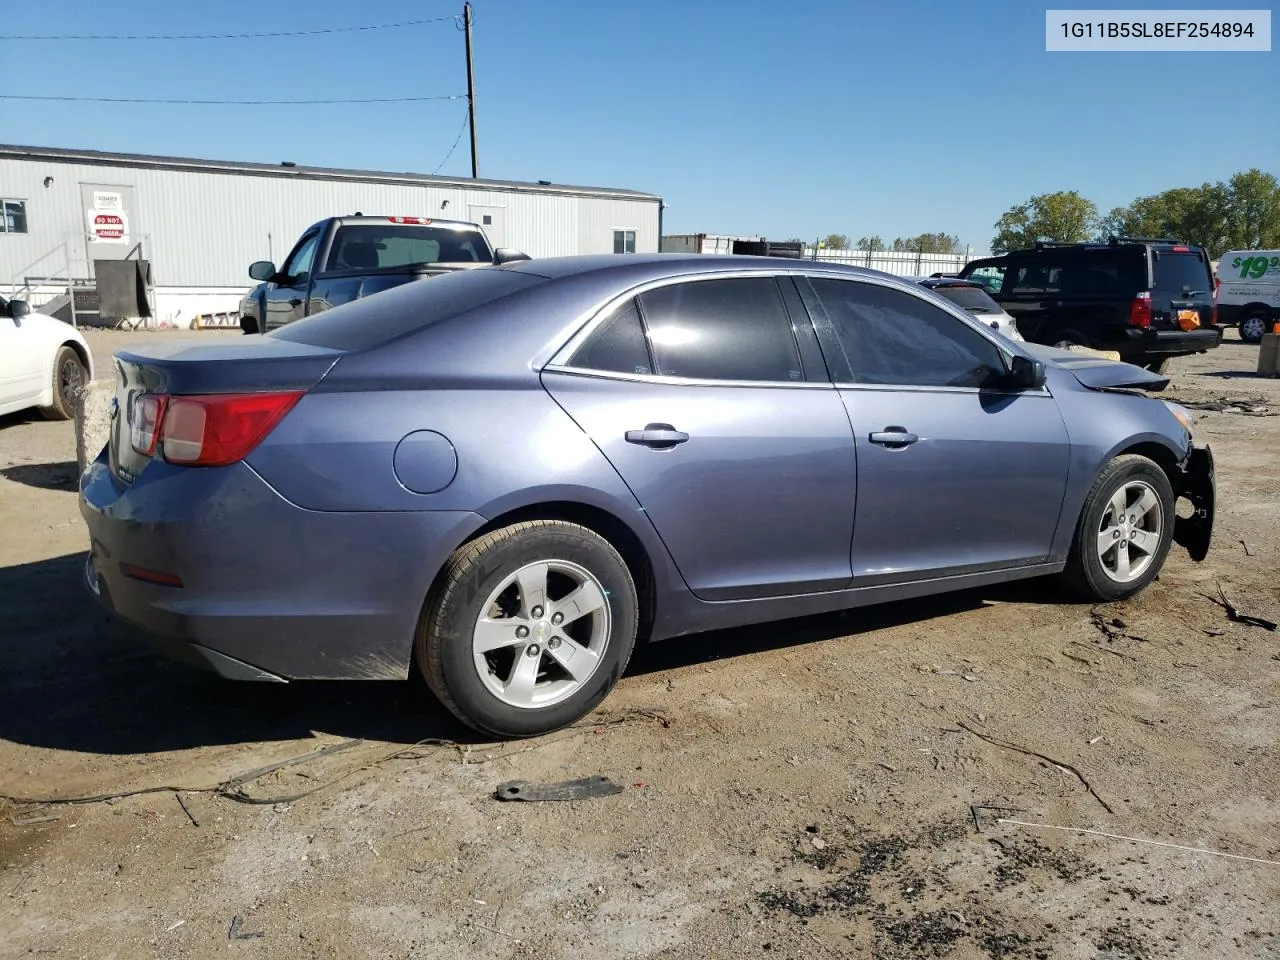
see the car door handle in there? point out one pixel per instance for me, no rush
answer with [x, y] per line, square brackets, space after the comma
[295, 302]
[659, 436]
[894, 437]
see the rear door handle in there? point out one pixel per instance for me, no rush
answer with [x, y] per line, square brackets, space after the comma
[894, 437]
[295, 302]
[659, 436]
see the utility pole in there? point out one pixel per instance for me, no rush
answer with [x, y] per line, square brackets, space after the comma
[471, 93]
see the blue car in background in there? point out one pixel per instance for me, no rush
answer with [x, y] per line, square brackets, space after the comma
[506, 477]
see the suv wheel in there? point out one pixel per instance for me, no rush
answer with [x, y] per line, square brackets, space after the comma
[1253, 327]
[1068, 339]
[1160, 365]
[1124, 532]
[530, 630]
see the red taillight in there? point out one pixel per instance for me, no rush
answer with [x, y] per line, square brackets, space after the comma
[217, 429]
[148, 575]
[1181, 249]
[1140, 311]
[144, 422]
[422, 221]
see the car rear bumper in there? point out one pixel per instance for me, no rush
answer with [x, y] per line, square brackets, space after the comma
[1196, 482]
[268, 591]
[1165, 342]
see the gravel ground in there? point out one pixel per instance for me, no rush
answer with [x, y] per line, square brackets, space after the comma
[801, 789]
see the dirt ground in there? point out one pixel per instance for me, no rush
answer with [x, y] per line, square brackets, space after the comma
[802, 789]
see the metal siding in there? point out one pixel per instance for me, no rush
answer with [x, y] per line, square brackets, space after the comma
[205, 228]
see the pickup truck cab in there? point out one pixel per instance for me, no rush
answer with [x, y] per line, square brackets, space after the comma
[341, 259]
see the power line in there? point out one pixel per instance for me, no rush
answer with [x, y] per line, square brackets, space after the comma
[465, 118]
[237, 36]
[233, 103]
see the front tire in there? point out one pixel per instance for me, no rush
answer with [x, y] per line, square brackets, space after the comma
[530, 628]
[69, 378]
[1124, 532]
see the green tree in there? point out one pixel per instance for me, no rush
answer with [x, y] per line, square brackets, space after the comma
[836, 241]
[928, 243]
[1252, 211]
[872, 244]
[1064, 217]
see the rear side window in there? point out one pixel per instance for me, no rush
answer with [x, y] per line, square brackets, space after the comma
[892, 337]
[1178, 272]
[405, 309]
[731, 329]
[387, 246]
[617, 345]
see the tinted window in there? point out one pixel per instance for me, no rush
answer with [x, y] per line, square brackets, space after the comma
[1176, 272]
[617, 345]
[1077, 273]
[973, 299]
[393, 313]
[733, 329]
[892, 337]
[387, 246]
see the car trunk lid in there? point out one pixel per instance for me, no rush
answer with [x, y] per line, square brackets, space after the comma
[253, 365]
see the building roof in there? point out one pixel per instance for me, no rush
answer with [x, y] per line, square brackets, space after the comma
[298, 172]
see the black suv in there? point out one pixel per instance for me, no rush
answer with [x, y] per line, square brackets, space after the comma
[1149, 300]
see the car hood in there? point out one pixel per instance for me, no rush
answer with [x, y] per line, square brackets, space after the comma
[1098, 373]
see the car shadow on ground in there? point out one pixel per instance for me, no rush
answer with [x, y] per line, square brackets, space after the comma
[46, 476]
[73, 679]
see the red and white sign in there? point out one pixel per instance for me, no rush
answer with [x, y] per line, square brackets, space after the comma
[105, 227]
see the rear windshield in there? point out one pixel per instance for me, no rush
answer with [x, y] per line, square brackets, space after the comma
[973, 299]
[1180, 272]
[387, 246]
[393, 313]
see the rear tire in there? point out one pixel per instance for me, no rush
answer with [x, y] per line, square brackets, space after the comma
[69, 378]
[1143, 529]
[529, 629]
[1068, 339]
[1253, 327]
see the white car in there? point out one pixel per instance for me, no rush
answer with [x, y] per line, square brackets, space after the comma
[44, 362]
[973, 297]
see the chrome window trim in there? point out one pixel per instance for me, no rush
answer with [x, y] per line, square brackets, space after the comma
[685, 381]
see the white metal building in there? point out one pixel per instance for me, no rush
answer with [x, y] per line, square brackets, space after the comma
[201, 223]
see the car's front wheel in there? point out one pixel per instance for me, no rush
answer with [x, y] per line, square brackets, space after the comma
[1124, 532]
[530, 628]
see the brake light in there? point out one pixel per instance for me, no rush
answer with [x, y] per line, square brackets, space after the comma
[217, 429]
[1140, 310]
[421, 221]
[1181, 249]
[144, 422]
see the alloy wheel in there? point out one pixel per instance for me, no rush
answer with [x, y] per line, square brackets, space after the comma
[1130, 533]
[542, 634]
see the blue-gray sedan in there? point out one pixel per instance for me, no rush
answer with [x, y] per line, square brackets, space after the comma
[503, 478]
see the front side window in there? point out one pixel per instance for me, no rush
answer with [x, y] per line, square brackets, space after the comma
[731, 329]
[624, 241]
[13, 216]
[299, 265]
[892, 337]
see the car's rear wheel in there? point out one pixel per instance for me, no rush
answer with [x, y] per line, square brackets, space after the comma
[69, 376]
[1124, 532]
[530, 628]
[1253, 327]
[1068, 339]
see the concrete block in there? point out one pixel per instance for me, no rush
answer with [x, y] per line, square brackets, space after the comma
[1269, 355]
[1105, 354]
[93, 420]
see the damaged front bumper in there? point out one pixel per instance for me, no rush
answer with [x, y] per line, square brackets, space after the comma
[1196, 482]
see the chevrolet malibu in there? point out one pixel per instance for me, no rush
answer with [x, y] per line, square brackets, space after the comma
[504, 478]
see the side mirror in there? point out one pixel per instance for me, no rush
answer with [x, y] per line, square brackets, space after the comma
[19, 309]
[507, 255]
[262, 270]
[1026, 374]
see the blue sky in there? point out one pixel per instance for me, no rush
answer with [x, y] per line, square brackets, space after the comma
[746, 116]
